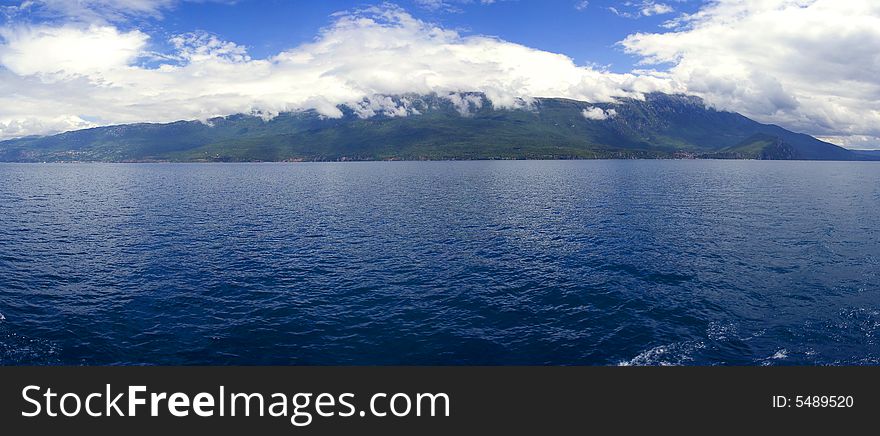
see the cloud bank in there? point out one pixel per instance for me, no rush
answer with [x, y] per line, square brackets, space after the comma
[66, 77]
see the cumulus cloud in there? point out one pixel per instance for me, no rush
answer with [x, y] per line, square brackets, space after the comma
[68, 50]
[598, 114]
[809, 65]
[362, 56]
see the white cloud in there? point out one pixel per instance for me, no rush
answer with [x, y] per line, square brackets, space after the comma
[202, 46]
[598, 114]
[650, 8]
[436, 4]
[376, 51]
[809, 65]
[449, 5]
[582, 5]
[858, 142]
[643, 8]
[465, 103]
[68, 50]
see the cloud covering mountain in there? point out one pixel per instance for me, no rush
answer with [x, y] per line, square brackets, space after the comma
[808, 65]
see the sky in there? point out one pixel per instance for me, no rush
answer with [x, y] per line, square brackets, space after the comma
[811, 66]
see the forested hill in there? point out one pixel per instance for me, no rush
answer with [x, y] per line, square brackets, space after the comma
[435, 127]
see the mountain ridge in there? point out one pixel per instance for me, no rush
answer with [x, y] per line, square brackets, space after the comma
[432, 127]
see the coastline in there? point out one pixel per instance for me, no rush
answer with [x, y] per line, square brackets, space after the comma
[304, 161]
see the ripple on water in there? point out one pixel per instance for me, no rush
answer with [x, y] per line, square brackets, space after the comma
[596, 262]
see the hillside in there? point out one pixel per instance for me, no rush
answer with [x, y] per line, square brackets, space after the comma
[660, 126]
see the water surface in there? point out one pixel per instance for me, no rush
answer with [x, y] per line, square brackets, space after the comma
[527, 262]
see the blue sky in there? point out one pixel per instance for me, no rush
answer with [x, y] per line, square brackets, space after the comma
[812, 66]
[588, 35]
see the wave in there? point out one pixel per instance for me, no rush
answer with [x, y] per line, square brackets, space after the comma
[676, 354]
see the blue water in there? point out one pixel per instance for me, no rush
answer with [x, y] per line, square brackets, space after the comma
[527, 262]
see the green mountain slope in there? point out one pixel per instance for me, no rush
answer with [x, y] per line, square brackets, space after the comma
[657, 127]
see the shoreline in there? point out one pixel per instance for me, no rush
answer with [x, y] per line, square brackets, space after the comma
[551, 159]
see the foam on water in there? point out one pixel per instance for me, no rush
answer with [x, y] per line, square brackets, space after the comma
[680, 353]
[779, 355]
[16, 349]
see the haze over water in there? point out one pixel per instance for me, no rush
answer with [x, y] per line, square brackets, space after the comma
[514, 262]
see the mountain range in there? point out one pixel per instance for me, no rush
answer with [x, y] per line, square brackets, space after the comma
[432, 127]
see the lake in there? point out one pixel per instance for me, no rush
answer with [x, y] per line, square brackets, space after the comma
[486, 262]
